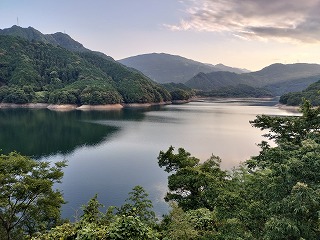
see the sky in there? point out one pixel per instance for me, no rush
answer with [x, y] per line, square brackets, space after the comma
[249, 34]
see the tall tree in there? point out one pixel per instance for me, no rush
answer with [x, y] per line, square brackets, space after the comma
[28, 202]
[138, 205]
[192, 184]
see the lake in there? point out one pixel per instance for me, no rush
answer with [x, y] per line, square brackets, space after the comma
[110, 152]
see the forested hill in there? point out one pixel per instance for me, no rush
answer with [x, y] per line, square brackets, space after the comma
[311, 93]
[166, 68]
[36, 71]
[277, 78]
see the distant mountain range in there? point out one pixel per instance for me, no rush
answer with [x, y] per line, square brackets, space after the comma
[277, 78]
[165, 68]
[54, 68]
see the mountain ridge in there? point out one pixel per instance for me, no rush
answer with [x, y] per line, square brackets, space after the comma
[278, 78]
[57, 39]
[38, 71]
[165, 68]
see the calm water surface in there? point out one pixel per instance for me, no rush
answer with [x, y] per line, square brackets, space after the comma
[110, 152]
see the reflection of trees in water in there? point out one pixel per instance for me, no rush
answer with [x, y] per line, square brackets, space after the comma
[42, 132]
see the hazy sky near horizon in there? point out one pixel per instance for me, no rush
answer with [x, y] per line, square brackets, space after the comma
[240, 33]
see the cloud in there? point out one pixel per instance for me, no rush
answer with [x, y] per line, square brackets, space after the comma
[282, 19]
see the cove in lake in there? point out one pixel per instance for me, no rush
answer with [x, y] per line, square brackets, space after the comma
[109, 152]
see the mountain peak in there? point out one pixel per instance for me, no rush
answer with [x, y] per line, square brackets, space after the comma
[27, 33]
[32, 34]
[164, 67]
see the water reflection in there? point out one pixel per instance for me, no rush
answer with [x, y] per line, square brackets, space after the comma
[41, 132]
[110, 152]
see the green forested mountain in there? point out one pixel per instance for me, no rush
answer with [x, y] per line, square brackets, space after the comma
[36, 71]
[311, 93]
[56, 39]
[277, 78]
[166, 68]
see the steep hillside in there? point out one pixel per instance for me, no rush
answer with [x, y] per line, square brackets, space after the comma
[165, 68]
[56, 39]
[216, 80]
[40, 72]
[311, 93]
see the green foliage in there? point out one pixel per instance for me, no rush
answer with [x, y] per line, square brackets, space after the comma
[132, 85]
[192, 185]
[134, 221]
[284, 180]
[91, 213]
[275, 195]
[131, 228]
[174, 162]
[40, 72]
[311, 93]
[290, 129]
[179, 91]
[138, 205]
[178, 225]
[238, 91]
[28, 202]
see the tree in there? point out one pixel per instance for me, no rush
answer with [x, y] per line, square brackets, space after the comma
[133, 221]
[192, 185]
[138, 205]
[91, 213]
[178, 225]
[173, 162]
[28, 202]
[291, 129]
[275, 195]
[282, 184]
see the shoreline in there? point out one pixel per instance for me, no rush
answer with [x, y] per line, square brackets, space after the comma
[294, 109]
[71, 107]
[201, 99]
[139, 105]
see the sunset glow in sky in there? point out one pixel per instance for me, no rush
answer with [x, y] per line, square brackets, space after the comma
[240, 33]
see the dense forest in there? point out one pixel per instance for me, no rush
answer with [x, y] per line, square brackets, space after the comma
[37, 72]
[238, 91]
[179, 91]
[274, 195]
[311, 93]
